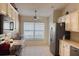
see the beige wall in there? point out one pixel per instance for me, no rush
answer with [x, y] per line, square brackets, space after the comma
[57, 14]
[71, 8]
[36, 42]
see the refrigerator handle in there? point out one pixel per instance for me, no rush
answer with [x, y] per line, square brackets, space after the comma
[50, 39]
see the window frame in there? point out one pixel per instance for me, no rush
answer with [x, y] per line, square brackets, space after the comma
[36, 30]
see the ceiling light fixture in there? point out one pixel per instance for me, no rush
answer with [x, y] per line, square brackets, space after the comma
[35, 17]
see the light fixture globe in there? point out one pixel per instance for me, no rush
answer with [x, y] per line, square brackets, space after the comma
[35, 17]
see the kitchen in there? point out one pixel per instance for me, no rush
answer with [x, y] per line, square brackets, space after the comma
[63, 41]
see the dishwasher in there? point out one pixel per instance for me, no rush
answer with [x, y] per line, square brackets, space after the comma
[74, 51]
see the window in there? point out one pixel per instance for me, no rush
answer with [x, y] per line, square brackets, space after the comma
[28, 29]
[6, 25]
[39, 30]
[34, 30]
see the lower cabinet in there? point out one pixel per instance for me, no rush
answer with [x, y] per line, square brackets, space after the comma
[61, 50]
[64, 49]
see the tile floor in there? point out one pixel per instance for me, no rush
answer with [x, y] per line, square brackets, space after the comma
[35, 51]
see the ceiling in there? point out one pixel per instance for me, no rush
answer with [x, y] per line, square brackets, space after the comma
[43, 9]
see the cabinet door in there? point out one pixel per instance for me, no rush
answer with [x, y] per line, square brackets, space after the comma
[68, 23]
[3, 8]
[66, 49]
[61, 48]
[75, 22]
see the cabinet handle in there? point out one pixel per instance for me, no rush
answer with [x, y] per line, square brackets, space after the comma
[75, 50]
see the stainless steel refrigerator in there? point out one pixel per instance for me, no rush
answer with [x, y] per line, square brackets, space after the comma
[57, 32]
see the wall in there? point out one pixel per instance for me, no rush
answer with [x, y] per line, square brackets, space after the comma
[35, 42]
[71, 8]
[57, 14]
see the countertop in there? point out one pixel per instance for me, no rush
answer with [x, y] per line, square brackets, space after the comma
[72, 43]
[15, 42]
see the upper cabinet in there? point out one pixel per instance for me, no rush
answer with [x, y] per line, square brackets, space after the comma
[72, 22]
[67, 23]
[3, 8]
[75, 21]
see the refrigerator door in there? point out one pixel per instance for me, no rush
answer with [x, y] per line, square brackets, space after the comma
[52, 39]
[60, 30]
[56, 33]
